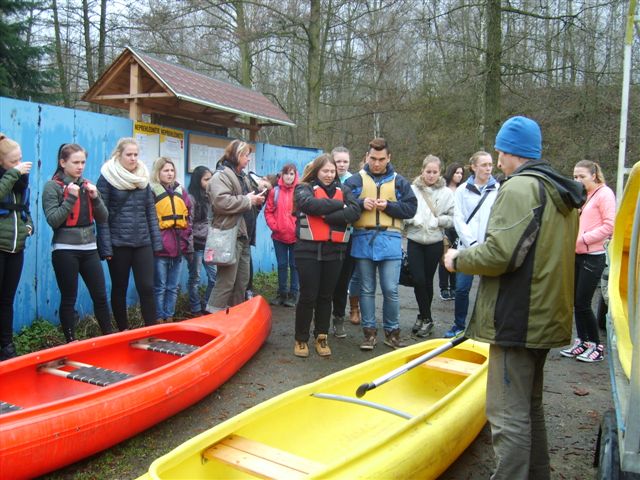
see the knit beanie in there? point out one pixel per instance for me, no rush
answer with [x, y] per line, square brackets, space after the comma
[520, 136]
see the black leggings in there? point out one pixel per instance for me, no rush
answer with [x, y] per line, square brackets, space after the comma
[140, 260]
[317, 283]
[10, 271]
[588, 272]
[423, 261]
[67, 264]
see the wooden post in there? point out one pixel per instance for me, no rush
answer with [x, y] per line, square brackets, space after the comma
[253, 133]
[135, 112]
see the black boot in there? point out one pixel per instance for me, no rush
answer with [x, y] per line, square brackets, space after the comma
[8, 351]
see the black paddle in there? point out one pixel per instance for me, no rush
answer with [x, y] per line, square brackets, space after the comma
[365, 387]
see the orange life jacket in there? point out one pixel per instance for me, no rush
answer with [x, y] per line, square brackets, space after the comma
[316, 229]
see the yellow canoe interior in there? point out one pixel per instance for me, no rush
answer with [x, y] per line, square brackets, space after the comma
[619, 249]
[433, 413]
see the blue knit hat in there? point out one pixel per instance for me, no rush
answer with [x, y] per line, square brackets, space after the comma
[520, 136]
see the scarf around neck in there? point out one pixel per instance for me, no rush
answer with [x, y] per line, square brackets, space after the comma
[121, 178]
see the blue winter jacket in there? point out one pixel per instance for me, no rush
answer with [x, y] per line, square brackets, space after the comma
[376, 244]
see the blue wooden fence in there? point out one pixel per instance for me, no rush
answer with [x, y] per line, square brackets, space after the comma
[40, 129]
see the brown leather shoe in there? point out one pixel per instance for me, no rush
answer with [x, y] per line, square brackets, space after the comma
[369, 339]
[322, 347]
[354, 314]
[392, 339]
[301, 349]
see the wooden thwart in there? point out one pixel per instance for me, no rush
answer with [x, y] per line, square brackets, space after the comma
[452, 365]
[260, 459]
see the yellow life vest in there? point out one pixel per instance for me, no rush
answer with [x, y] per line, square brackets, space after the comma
[171, 209]
[376, 218]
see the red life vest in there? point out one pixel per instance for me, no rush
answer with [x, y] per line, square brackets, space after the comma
[316, 229]
[74, 215]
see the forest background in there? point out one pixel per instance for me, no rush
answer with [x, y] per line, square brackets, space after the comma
[432, 76]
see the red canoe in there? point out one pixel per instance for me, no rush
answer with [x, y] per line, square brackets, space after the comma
[60, 405]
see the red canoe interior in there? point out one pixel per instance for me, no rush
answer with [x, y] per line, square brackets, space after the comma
[30, 386]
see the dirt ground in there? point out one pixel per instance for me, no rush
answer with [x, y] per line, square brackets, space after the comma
[576, 395]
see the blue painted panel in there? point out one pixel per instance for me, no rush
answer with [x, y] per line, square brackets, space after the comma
[271, 159]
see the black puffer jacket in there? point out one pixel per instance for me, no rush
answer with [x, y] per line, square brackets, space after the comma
[132, 219]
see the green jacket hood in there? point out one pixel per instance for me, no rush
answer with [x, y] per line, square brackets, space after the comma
[566, 194]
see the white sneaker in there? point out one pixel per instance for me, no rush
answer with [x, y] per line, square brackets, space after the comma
[574, 350]
[593, 353]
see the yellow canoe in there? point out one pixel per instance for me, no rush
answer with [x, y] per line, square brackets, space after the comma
[414, 426]
[619, 264]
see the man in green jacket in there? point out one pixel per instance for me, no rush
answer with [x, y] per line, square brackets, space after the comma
[524, 304]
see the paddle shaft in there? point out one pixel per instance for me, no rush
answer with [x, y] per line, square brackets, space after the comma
[365, 387]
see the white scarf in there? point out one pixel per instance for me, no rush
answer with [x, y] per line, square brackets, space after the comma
[121, 178]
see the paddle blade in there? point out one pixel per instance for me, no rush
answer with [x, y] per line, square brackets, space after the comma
[364, 388]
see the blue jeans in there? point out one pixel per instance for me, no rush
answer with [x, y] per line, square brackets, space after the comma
[354, 284]
[165, 285]
[196, 304]
[461, 306]
[389, 276]
[286, 267]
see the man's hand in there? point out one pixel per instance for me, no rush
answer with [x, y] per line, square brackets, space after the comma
[448, 259]
[381, 204]
[369, 203]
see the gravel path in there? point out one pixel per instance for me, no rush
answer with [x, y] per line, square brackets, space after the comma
[576, 395]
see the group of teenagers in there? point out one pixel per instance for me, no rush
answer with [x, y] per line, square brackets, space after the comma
[536, 239]
[140, 222]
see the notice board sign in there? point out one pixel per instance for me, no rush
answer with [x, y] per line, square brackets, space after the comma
[204, 150]
[156, 141]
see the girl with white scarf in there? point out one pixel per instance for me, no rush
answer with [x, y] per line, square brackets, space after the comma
[127, 241]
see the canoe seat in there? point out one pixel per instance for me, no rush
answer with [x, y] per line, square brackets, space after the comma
[84, 373]
[6, 407]
[452, 365]
[165, 346]
[260, 459]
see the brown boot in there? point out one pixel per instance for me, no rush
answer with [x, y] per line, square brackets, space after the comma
[392, 339]
[322, 347]
[354, 303]
[301, 349]
[369, 339]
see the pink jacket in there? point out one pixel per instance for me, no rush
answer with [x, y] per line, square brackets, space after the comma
[596, 220]
[279, 215]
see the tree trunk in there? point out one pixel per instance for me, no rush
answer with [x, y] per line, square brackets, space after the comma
[102, 35]
[87, 42]
[62, 75]
[314, 75]
[243, 45]
[493, 57]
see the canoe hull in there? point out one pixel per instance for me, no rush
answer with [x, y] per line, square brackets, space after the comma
[86, 419]
[354, 441]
